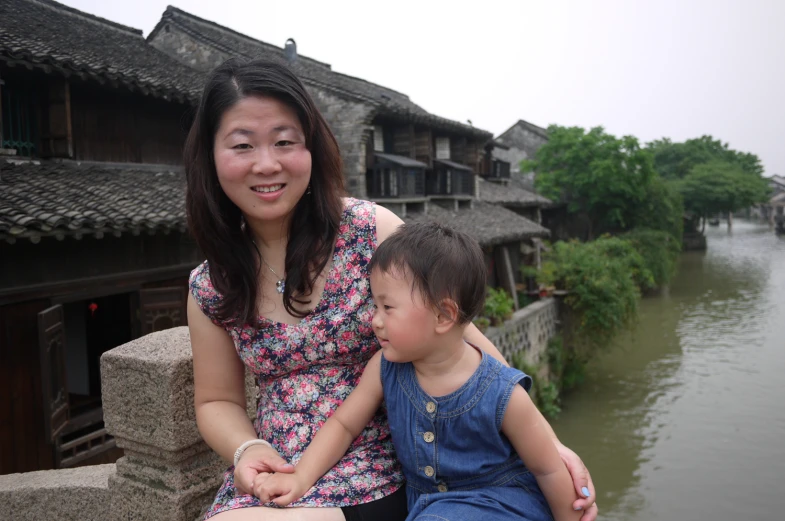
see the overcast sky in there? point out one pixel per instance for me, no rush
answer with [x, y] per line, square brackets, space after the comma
[650, 68]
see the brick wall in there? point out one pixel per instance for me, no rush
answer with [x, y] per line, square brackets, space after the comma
[350, 122]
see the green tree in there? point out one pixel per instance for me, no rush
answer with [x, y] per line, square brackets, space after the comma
[676, 160]
[721, 187]
[663, 209]
[603, 179]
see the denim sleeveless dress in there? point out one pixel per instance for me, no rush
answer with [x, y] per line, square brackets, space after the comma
[458, 464]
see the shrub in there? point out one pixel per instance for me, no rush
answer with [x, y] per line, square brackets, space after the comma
[545, 393]
[659, 251]
[498, 306]
[602, 278]
[566, 367]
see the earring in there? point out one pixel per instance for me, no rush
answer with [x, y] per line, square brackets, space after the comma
[309, 189]
[242, 223]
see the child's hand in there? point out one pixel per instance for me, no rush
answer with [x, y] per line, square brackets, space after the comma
[281, 489]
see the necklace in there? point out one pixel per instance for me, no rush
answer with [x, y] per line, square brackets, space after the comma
[280, 283]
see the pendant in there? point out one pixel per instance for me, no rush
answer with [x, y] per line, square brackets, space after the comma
[280, 285]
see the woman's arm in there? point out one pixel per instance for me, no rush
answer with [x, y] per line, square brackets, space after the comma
[219, 400]
[330, 443]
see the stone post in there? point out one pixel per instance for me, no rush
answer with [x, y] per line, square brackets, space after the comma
[167, 472]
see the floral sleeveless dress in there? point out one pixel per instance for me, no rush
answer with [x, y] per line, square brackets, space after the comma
[305, 371]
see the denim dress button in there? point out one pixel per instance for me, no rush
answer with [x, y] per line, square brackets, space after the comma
[428, 437]
[441, 487]
[430, 407]
[428, 471]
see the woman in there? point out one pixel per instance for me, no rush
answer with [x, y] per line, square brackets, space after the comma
[285, 292]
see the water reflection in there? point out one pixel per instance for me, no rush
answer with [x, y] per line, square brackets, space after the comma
[675, 420]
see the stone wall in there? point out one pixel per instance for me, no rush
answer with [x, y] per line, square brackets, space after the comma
[350, 122]
[693, 241]
[528, 331]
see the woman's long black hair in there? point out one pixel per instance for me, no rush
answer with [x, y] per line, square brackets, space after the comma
[215, 221]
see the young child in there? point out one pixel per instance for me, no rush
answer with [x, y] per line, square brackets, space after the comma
[464, 428]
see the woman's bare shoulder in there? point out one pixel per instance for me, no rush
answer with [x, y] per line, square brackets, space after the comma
[386, 223]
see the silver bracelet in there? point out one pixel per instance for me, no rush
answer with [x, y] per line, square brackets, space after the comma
[239, 452]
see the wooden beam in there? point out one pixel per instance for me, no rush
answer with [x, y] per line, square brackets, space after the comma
[505, 273]
[1, 111]
[58, 139]
[80, 289]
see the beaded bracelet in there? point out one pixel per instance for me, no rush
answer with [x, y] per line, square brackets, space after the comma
[239, 452]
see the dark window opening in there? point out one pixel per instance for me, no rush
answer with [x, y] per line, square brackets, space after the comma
[19, 117]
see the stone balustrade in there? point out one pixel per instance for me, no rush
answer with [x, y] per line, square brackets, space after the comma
[168, 472]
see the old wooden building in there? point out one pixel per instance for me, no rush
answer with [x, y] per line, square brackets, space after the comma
[93, 249]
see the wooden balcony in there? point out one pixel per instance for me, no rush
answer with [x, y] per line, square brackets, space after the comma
[395, 177]
[499, 170]
[450, 179]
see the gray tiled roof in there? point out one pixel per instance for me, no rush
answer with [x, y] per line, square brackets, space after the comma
[54, 36]
[43, 198]
[531, 127]
[313, 72]
[509, 195]
[489, 224]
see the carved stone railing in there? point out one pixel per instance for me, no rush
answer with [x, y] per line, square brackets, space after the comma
[168, 471]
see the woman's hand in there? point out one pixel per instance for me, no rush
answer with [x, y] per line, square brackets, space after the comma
[257, 460]
[582, 481]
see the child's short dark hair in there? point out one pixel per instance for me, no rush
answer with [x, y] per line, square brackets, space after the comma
[443, 263]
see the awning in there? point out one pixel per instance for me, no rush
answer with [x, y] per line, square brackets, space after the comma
[401, 160]
[452, 164]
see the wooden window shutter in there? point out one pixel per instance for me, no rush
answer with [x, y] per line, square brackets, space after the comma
[378, 139]
[162, 308]
[51, 342]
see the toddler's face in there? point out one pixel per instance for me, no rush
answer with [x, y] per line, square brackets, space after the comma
[403, 323]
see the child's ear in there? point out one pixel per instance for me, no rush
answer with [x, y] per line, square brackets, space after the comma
[446, 315]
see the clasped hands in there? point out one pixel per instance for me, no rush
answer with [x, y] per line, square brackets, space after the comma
[262, 472]
[279, 488]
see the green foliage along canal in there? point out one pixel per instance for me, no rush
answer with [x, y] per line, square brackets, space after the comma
[685, 419]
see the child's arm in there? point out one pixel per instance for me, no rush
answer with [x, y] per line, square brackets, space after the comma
[523, 426]
[331, 442]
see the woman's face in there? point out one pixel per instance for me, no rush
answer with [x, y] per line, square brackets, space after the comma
[262, 163]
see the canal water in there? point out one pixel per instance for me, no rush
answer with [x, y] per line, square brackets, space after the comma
[684, 419]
